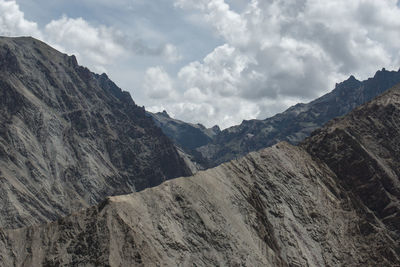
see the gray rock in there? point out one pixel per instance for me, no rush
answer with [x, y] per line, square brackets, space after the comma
[69, 137]
[187, 137]
[333, 201]
[363, 149]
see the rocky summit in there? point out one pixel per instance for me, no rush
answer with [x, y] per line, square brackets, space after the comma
[332, 201]
[69, 137]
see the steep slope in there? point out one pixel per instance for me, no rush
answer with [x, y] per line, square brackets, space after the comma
[277, 207]
[69, 137]
[296, 123]
[333, 201]
[363, 149]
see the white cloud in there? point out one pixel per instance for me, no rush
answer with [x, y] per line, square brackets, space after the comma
[260, 57]
[157, 83]
[95, 46]
[171, 53]
[13, 22]
[220, 72]
[279, 52]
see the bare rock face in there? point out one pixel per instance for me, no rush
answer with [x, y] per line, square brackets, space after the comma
[69, 137]
[276, 207]
[363, 149]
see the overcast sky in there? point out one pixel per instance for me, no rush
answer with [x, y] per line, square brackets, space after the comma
[217, 61]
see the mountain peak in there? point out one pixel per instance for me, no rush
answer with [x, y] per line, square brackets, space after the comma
[165, 113]
[352, 78]
[216, 128]
[72, 131]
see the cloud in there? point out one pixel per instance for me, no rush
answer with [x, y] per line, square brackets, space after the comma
[13, 22]
[279, 52]
[95, 46]
[220, 72]
[157, 83]
[171, 53]
[222, 61]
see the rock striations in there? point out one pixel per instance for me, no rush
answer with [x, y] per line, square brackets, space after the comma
[333, 201]
[363, 149]
[69, 137]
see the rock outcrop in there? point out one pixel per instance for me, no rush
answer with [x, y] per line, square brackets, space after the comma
[363, 149]
[69, 137]
[333, 201]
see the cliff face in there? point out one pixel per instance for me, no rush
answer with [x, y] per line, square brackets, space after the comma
[363, 149]
[333, 201]
[69, 137]
[293, 125]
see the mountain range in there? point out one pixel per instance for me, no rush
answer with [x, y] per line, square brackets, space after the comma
[88, 178]
[332, 201]
[292, 125]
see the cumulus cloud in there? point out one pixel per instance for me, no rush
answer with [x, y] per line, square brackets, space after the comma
[171, 53]
[96, 46]
[13, 22]
[157, 83]
[261, 56]
[279, 52]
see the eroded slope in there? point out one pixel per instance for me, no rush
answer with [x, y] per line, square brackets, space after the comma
[276, 207]
[363, 149]
[69, 138]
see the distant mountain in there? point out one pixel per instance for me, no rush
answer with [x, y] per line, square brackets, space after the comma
[293, 125]
[187, 137]
[69, 137]
[332, 201]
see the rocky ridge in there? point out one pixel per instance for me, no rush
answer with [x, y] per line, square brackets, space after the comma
[69, 137]
[332, 201]
[293, 125]
[363, 149]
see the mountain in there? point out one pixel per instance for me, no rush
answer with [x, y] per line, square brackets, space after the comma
[332, 201]
[187, 137]
[69, 137]
[363, 149]
[293, 125]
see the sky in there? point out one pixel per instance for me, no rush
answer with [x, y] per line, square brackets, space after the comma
[217, 61]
